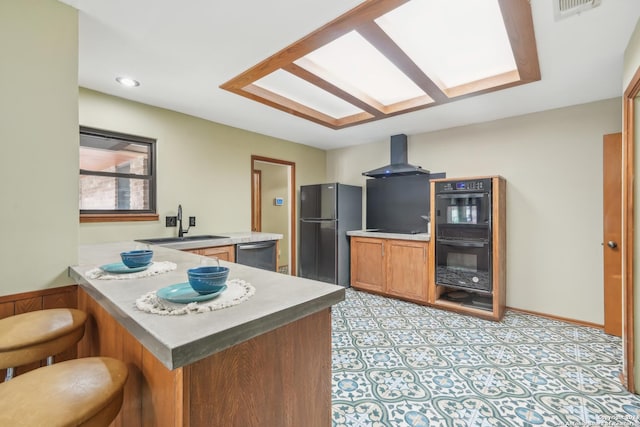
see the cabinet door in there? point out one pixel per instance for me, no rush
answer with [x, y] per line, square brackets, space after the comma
[225, 253]
[368, 268]
[407, 269]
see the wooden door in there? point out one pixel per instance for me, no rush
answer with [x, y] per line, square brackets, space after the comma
[256, 201]
[407, 269]
[612, 232]
[368, 268]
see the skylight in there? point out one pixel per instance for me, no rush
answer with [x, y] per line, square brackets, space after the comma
[352, 62]
[388, 57]
[304, 93]
[451, 47]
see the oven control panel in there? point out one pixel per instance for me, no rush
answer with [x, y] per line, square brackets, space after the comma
[468, 185]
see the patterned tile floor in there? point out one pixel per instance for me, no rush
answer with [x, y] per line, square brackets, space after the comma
[401, 364]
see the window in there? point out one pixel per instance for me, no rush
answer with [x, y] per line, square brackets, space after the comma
[117, 177]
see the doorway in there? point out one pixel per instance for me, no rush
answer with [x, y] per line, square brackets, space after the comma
[273, 204]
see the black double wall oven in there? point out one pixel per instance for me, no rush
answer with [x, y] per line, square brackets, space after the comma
[463, 238]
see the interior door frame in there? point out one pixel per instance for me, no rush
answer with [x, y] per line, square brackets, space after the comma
[293, 248]
[256, 200]
[628, 227]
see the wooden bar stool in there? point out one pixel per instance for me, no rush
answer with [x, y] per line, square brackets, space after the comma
[85, 392]
[36, 335]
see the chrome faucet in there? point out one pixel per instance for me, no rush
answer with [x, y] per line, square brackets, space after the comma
[181, 232]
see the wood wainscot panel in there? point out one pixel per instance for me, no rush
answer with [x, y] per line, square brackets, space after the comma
[7, 309]
[62, 297]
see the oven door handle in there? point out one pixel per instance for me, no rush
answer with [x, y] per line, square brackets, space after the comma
[462, 195]
[465, 243]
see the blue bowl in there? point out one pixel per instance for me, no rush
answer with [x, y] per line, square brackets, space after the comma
[207, 279]
[137, 258]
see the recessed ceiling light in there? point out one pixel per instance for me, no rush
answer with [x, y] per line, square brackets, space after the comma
[127, 81]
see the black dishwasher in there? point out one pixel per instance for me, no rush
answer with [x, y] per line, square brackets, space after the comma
[257, 254]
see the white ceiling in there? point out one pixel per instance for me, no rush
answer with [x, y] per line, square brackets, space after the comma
[182, 51]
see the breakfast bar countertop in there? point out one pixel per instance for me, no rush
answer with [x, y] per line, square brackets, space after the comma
[177, 341]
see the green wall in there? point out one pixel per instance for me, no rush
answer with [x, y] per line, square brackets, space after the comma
[202, 165]
[39, 144]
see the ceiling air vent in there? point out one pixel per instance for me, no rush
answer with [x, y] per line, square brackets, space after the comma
[566, 8]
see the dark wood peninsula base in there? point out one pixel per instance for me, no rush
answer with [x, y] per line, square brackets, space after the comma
[280, 378]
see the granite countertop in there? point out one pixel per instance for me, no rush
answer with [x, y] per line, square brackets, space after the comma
[425, 237]
[180, 340]
[229, 239]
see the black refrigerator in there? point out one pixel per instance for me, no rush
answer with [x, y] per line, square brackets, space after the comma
[327, 212]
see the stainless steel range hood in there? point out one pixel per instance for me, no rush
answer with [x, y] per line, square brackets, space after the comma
[399, 164]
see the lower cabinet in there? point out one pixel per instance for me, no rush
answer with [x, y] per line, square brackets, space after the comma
[225, 253]
[407, 271]
[368, 270]
[391, 267]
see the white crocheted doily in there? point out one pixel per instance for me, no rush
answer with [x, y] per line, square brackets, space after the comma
[158, 267]
[237, 292]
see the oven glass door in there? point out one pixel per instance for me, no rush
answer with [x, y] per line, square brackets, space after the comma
[468, 208]
[464, 264]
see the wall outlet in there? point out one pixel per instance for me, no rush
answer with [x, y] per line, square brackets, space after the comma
[171, 221]
[192, 221]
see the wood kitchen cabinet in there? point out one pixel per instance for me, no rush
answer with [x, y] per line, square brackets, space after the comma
[497, 297]
[407, 269]
[390, 267]
[225, 253]
[368, 269]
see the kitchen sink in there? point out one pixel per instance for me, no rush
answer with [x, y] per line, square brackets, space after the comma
[161, 240]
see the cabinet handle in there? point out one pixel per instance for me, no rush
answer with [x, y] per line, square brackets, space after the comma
[382, 247]
[424, 254]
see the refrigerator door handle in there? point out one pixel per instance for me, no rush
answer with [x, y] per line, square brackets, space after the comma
[312, 220]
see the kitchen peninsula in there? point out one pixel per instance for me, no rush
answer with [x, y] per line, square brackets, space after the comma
[265, 361]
